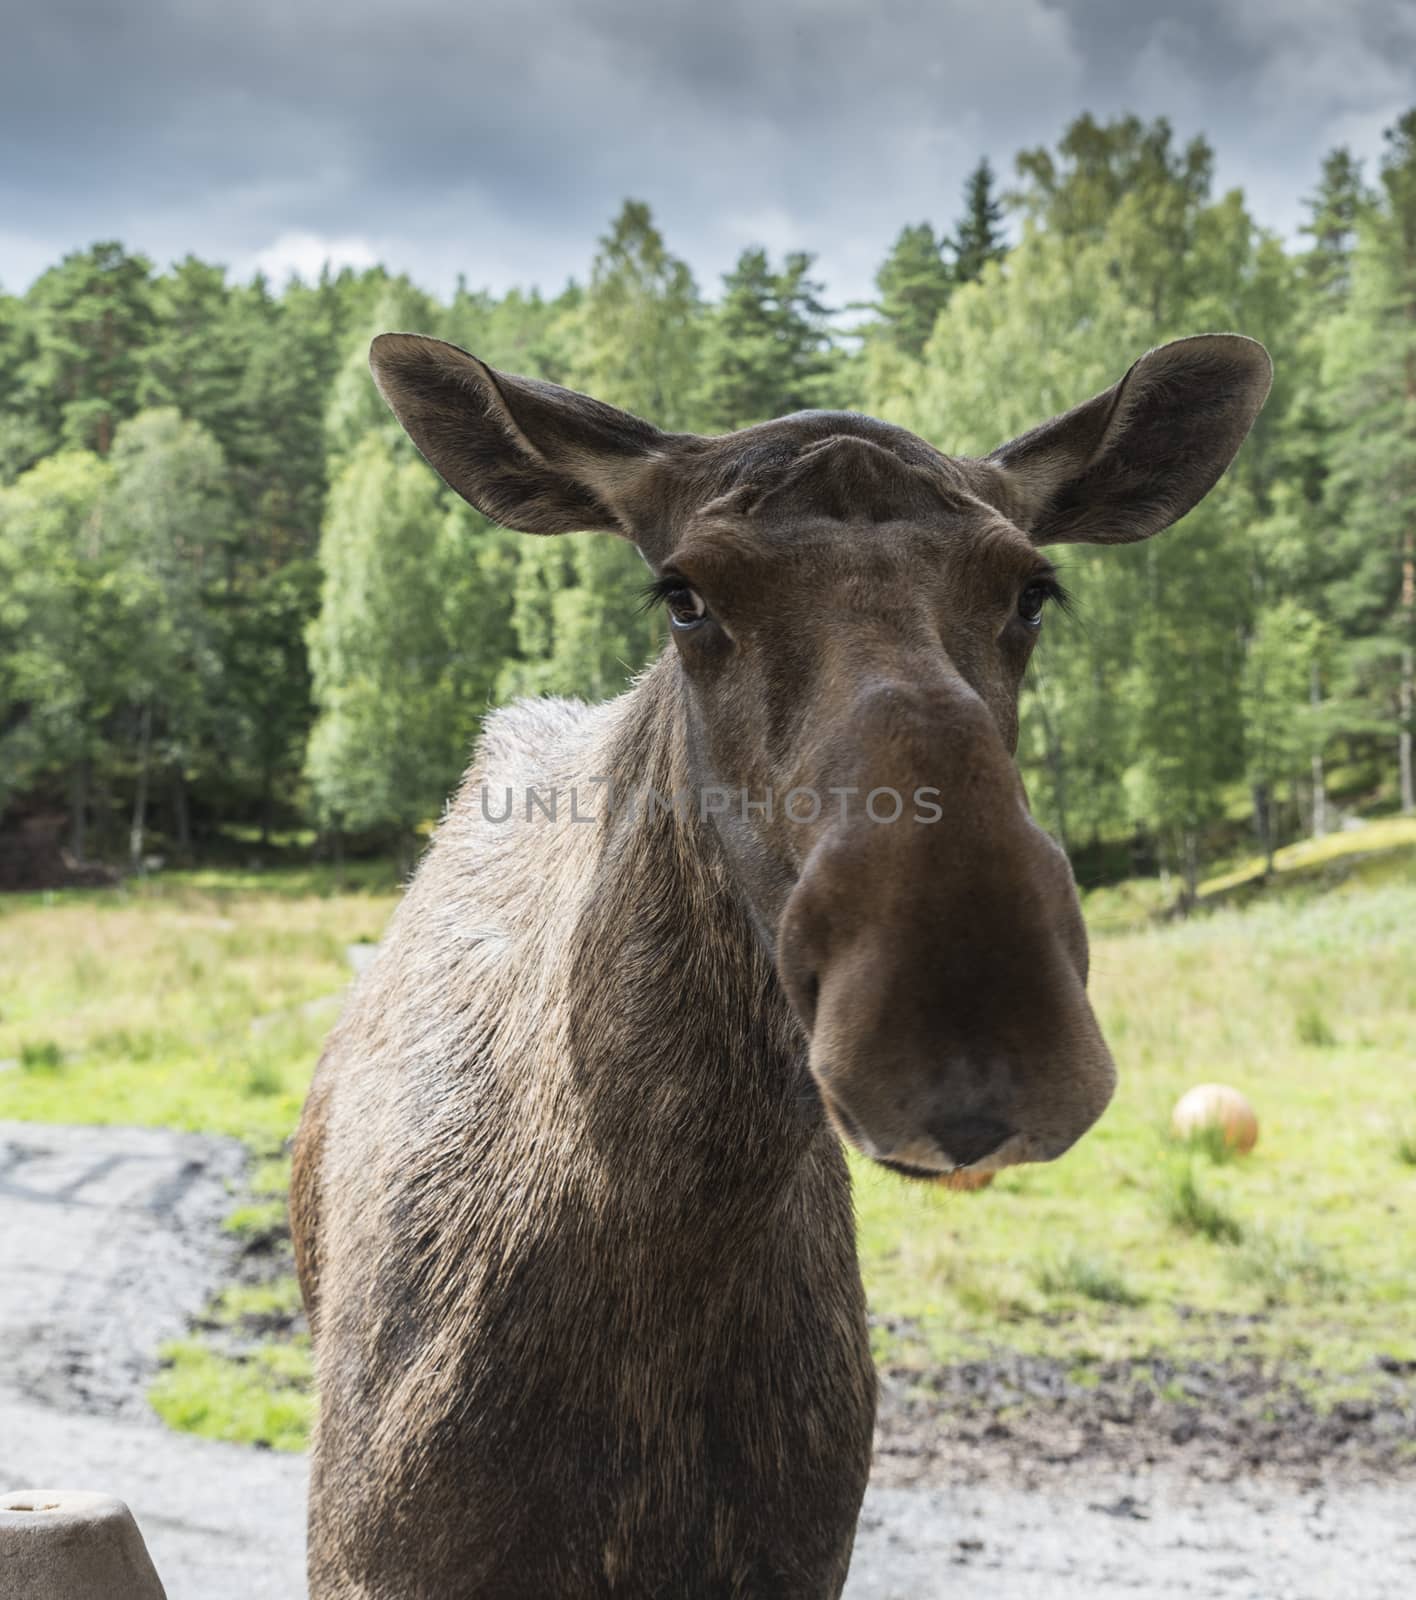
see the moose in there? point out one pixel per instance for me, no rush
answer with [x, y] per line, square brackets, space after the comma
[571, 1210]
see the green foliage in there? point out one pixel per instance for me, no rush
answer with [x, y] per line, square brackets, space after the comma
[1079, 1274]
[91, 320]
[1192, 1208]
[1314, 1029]
[979, 239]
[637, 332]
[70, 616]
[1285, 1264]
[1369, 373]
[396, 689]
[1211, 1142]
[915, 283]
[1099, 168]
[766, 349]
[162, 995]
[41, 1055]
[232, 598]
[1283, 649]
[263, 1397]
[1334, 209]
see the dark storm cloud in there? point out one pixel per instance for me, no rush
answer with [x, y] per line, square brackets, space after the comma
[498, 138]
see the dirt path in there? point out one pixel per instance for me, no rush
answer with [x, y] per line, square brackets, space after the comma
[109, 1241]
[223, 1522]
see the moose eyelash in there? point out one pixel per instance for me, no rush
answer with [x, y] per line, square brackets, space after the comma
[1057, 593]
[656, 593]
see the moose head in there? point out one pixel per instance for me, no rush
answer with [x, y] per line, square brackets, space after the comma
[852, 613]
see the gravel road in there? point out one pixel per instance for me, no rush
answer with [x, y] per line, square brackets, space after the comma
[109, 1241]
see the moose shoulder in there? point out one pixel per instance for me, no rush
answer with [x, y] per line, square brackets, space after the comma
[571, 1215]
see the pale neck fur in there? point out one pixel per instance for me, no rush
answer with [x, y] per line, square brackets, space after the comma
[626, 1026]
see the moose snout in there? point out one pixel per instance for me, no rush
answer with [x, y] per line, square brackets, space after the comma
[941, 983]
[946, 1142]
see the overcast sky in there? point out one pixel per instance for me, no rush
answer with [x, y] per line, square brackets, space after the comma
[497, 137]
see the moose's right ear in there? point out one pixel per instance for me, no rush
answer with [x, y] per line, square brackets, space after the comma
[528, 454]
[1132, 460]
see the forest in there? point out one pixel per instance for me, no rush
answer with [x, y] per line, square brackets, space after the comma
[236, 606]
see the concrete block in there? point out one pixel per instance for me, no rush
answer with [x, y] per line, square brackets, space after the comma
[68, 1544]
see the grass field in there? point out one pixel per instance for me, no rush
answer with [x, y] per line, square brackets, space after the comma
[199, 1001]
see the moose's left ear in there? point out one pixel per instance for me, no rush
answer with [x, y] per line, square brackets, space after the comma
[528, 454]
[1131, 461]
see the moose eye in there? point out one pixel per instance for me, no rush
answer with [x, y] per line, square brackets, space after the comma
[685, 606]
[1031, 602]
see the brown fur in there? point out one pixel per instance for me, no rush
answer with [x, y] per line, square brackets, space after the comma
[572, 1220]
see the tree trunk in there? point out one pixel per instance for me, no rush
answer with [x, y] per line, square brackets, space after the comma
[78, 809]
[1406, 702]
[140, 793]
[1190, 846]
[267, 801]
[1408, 616]
[1263, 823]
[1162, 862]
[101, 811]
[181, 813]
[1320, 807]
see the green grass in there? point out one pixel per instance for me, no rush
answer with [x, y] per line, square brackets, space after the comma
[1210, 1141]
[192, 1000]
[1080, 1274]
[40, 1055]
[1309, 1242]
[199, 1000]
[245, 1306]
[265, 1396]
[1314, 1029]
[1190, 1206]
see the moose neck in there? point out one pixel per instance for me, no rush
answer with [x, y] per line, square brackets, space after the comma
[685, 1060]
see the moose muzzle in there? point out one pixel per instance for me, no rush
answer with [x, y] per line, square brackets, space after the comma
[938, 959]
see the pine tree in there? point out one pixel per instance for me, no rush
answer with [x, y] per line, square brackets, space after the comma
[979, 237]
[195, 356]
[1370, 378]
[633, 340]
[355, 408]
[766, 351]
[24, 436]
[276, 447]
[639, 324]
[915, 283]
[1333, 214]
[92, 321]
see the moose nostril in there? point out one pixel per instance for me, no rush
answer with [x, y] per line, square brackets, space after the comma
[810, 989]
[968, 1139]
[803, 990]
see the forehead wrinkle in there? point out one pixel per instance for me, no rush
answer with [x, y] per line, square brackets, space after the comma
[721, 550]
[1005, 547]
[784, 460]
